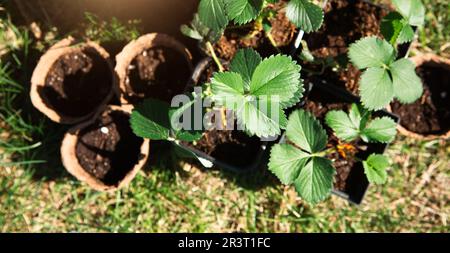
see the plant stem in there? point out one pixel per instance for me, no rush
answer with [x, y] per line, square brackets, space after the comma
[214, 56]
[327, 152]
[272, 41]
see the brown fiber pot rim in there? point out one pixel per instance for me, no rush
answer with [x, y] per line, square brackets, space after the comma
[46, 62]
[72, 165]
[136, 47]
[419, 60]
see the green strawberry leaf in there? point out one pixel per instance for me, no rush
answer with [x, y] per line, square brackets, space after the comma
[412, 10]
[406, 84]
[380, 130]
[306, 132]
[228, 89]
[391, 27]
[245, 62]
[154, 119]
[371, 52]
[315, 181]
[376, 88]
[150, 120]
[198, 31]
[375, 168]
[212, 14]
[311, 174]
[258, 91]
[192, 132]
[406, 34]
[286, 161]
[305, 15]
[260, 119]
[243, 11]
[279, 78]
[359, 116]
[342, 125]
[191, 32]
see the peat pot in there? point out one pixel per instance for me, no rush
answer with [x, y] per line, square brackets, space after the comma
[73, 81]
[429, 117]
[104, 152]
[153, 66]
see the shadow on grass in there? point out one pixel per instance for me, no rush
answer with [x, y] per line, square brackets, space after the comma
[49, 151]
[25, 125]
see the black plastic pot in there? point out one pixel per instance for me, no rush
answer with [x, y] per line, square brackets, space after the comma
[357, 182]
[255, 162]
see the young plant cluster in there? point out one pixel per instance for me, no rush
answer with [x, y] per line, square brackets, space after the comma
[398, 26]
[303, 159]
[260, 91]
[214, 16]
[385, 76]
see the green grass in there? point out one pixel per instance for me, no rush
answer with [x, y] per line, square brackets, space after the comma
[43, 197]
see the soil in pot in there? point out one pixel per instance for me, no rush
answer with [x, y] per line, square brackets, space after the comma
[346, 21]
[283, 33]
[430, 115]
[233, 147]
[158, 72]
[319, 104]
[77, 83]
[108, 149]
[345, 78]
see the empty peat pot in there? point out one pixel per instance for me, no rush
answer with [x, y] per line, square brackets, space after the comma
[153, 66]
[429, 117]
[104, 152]
[73, 81]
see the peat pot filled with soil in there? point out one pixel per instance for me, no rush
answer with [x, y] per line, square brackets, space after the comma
[104, 152]
[73, 81]
[231, 150]
[153, 66]
[429, 117]
[350, 181]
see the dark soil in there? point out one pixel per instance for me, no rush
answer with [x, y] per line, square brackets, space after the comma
[208, 73]
[346, 78]
[319, 104]
[346, 21]
[160, 73]
[233, 147]
[431, 113]
[283, 32]
[77, 83]
[109, 155]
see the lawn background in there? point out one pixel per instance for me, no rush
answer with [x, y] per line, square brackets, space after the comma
[43, 197]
